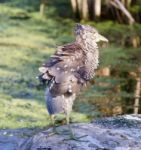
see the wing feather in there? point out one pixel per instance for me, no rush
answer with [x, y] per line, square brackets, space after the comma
[64, 68]
[67, 59]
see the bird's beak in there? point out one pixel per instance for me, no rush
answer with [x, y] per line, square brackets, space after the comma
[102, 38]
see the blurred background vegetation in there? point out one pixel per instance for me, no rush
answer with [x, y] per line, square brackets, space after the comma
[30, 31]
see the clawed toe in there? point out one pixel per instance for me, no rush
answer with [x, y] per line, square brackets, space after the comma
[73, 137]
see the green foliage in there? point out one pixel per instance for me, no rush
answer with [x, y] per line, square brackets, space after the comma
[121, 58]
[29, 5]
[54, 8]
[57, 8]
[135, 9]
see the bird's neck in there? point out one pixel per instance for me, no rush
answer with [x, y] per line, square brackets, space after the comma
[87, 44]
[91, 52]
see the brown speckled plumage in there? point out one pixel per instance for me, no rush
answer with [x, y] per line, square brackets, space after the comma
[70, 68]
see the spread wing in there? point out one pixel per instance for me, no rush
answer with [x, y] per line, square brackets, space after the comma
[64, 69]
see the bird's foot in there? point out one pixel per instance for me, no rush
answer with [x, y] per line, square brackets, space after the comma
[53, 132]
[73, 137]
[65, 132]
[50, 134]
[60, 132]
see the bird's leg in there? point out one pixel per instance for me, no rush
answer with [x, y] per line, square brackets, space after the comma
[52, 118]
[55, 131]
[54, 125]
[72, 135]
[69, 126]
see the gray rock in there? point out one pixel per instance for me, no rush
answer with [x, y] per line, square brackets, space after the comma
[115, 133]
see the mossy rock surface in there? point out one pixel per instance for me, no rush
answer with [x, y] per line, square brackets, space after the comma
[114, 133]
[127, 121]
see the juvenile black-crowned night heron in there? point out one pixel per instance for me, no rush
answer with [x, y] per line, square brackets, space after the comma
[69, 70]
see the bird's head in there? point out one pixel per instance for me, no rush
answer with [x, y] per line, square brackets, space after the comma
[87, 32]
